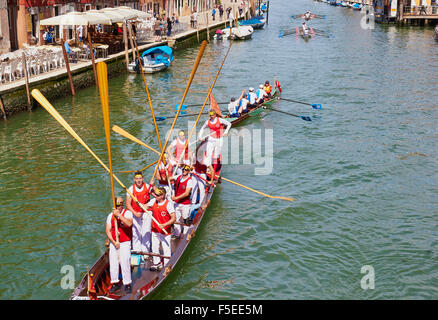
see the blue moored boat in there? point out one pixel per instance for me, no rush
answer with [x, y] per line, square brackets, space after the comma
[153, 60]
[257, 22]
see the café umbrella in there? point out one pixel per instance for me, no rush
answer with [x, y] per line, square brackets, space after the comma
[76, 19]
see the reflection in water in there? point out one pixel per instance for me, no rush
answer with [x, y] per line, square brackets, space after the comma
[366, 194]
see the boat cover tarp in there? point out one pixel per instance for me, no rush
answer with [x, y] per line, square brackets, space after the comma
[159, 51]
[250, 22]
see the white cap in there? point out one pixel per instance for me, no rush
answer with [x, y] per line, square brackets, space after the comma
[251, 89]
[261, 86]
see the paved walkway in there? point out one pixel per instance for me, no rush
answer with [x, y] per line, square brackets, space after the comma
[74, 67]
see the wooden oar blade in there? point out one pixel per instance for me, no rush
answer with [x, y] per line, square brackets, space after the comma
[126, 134]
[256, 191]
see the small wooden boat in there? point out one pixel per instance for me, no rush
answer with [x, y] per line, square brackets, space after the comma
[96, 283]
[258, 110]
[153, 60]
[239, 33]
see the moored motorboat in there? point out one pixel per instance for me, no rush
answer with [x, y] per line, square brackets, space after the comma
[153, 60]
[235, 33]
[255, 23]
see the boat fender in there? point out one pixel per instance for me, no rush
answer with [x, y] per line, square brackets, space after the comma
[137, 65]
[277, 84]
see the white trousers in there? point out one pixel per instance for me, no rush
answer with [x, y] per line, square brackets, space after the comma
[199, 187]
[214, 147]
[182, 211]
[125, 262]
[163, 240]
[141, 233]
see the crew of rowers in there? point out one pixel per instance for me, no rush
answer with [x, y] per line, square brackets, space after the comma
[156, 213]
[248, 101]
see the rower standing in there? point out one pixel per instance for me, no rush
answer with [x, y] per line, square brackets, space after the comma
[177, 148]
[121, 250]
[165, 175]
[216, 132]
[183, 190]
[141, 231]
[164, 213]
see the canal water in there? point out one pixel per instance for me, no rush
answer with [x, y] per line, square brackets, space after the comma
[363, 172]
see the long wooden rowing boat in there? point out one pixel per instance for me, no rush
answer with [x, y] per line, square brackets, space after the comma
[256, 111]
[96, 283]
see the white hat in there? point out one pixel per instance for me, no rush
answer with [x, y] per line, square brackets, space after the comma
[251, 89]
[261, 86]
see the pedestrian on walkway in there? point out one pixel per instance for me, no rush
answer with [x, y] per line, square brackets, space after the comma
[169, 26]
[157, 28]
[213, 12]
[192, 20]
[221, 12]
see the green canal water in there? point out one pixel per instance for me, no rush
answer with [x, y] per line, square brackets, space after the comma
[364, 171]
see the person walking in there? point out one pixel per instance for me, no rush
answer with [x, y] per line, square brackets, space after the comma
[221, 12]
[213, 13]
[169, 26]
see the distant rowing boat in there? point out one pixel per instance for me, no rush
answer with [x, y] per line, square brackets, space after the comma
[256, 111]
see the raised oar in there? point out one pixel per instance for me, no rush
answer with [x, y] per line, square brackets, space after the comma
[102, 76]
[136, 140]
[248, 188]
[147, 92]
[149, 165]
[50, 109]
[131, 137]
[305, 118]
[192, 75]
[316, 106]
[185, 115]
[200, 105]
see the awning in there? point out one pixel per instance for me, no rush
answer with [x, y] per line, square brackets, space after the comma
[76, 19]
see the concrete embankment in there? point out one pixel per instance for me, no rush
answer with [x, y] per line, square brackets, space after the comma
[55, 84]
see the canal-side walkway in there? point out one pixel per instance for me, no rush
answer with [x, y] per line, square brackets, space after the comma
[54, 84]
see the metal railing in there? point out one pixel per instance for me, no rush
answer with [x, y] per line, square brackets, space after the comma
[420, 10]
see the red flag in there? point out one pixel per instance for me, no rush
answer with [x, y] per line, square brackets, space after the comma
[214, 106]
